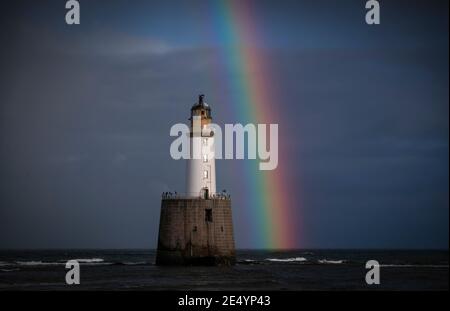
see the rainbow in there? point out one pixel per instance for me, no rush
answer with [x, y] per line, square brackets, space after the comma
[269, 195]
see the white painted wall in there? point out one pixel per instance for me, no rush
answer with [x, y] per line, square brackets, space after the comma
[202, 160]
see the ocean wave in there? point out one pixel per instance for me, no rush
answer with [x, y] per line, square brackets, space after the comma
[9, 270]
[130, 263]
[249, 262]
[37, 263]
[4, 264]
[412, 266]
[90, 260]
[97, 263]
[296, 259]
[332, 262]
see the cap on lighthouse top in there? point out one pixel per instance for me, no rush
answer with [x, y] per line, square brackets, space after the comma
[201, 99]
[201, 108]
[201, 103]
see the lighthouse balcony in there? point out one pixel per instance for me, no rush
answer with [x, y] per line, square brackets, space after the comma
[195, 196]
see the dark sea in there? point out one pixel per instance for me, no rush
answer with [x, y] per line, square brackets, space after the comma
[255, 270]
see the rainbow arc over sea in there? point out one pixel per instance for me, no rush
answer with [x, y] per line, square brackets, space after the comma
[269, 195]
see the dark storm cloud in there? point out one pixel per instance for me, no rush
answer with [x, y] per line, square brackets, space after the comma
[85, 137]
[373, 145]
[85, 115]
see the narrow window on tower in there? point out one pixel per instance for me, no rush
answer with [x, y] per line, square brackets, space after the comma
[205, 158]
[205, 141]
[205, 174]
[208, 215]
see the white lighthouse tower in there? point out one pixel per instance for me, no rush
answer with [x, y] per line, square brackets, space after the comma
[201, 168]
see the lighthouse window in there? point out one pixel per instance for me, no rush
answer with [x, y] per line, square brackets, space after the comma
[205, 158]
[205, 174]
[208, 215]
[205, 141]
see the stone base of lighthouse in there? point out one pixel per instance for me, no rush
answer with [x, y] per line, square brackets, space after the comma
[194, 231]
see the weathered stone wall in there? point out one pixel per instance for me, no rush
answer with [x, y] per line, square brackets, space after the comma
[186, 236]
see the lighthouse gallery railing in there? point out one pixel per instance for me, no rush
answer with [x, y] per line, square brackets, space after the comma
[176, 195]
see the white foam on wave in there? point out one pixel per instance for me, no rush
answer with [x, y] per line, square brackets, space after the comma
[4, 264]
[93, 262]
[90, 260]
[97, 263]
[129, 263]
[296, 259]
[332, 262]
[37, 263]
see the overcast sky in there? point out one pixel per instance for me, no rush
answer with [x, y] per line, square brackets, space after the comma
[85, 114]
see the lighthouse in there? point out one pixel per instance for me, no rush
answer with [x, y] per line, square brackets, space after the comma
[201, 166]
[196, 227]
